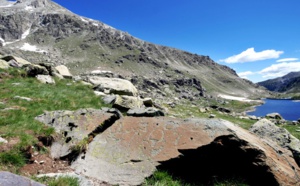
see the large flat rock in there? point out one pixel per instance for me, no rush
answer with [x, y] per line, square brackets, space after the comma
[131, 149]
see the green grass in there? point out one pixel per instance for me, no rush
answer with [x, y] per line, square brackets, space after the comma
[163, 178]
[17, 115]
[59, 181]
[292, 129]
[185, 110]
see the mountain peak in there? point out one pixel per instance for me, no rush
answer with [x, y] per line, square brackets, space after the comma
[41, 30]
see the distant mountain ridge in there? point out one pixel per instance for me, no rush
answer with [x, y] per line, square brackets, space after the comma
[289, 83]
[43, 31]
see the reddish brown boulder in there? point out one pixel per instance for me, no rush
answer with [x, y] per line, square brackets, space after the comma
[193, 149]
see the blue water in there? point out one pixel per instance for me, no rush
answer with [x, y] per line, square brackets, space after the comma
[288, 109]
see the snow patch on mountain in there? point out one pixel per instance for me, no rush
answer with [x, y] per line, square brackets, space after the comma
[29, 8]
[25, 34]
[84, 20]
[32, 48]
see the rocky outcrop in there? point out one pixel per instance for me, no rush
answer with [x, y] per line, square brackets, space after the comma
[42, 71]
[132, 148]
[10, 179]
[268, 130]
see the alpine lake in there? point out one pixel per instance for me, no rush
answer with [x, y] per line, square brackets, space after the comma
[289, 109]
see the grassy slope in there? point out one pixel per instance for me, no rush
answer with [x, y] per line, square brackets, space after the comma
[18, 122]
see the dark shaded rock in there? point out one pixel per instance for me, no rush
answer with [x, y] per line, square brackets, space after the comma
[50, 68]
[148, 102]
[34, 70]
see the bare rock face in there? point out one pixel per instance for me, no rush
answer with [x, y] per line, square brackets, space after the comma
[73, 128]
[268, 130]
[132, 149]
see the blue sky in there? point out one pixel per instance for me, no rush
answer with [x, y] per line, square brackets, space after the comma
[259, 39]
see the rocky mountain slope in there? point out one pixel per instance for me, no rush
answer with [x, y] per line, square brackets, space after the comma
[289, 83]
[43, 31]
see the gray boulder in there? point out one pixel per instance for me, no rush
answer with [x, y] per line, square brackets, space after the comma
[113, 86]
[64, 71]
[127, 102]
[275, 115]
[46, 79]
[10, 179]
[146, 112]
[268, 130]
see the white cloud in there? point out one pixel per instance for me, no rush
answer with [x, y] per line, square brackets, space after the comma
[286, 60]
[250, 55]
[281, 69]
[245, 74]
